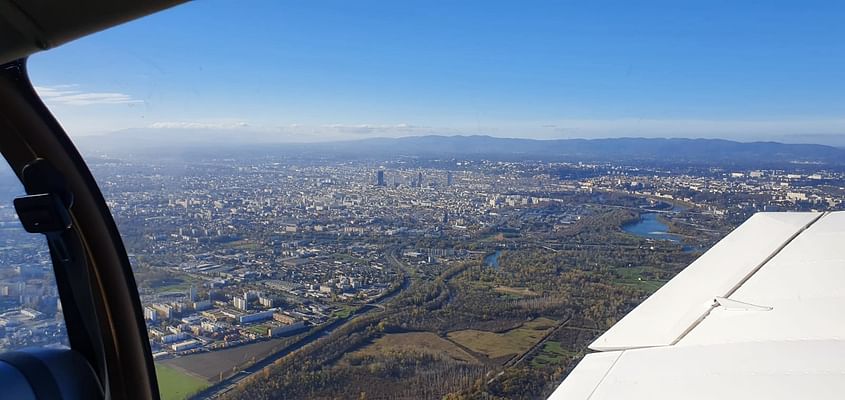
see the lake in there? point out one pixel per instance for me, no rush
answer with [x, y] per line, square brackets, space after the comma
[649, 226]
[492, 260]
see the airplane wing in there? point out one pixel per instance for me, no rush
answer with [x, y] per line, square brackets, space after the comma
[760, 315]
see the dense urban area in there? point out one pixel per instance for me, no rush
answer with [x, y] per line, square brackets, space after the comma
[403, 277]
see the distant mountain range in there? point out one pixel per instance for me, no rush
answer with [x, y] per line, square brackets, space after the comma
[698, 151]
[690, 150]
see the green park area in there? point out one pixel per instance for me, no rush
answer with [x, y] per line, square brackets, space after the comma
[638, 277]
[344, 312]
[552, 353]
[177, 385]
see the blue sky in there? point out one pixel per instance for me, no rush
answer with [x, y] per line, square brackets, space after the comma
[317, 70]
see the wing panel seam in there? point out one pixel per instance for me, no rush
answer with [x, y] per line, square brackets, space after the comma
[606, 373]
[748, 276]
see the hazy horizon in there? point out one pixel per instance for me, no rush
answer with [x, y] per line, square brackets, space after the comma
[247, 136]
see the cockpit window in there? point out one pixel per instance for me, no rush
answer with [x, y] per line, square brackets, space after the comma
[431, 200]
[30, 310]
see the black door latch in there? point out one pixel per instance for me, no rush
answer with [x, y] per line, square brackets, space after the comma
[45, 208]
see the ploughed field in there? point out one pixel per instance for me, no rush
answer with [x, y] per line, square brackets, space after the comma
[210, 365]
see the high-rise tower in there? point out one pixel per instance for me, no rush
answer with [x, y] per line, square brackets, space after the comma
[380, 178]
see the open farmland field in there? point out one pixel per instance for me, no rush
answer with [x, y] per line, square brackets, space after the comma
[517, 291]
[513, 342]
[417, 341]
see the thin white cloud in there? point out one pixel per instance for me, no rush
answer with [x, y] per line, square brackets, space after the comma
[198, 125]
[71, 95]
[376, 128]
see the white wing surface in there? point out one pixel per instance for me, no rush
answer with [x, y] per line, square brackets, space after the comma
[761, 315]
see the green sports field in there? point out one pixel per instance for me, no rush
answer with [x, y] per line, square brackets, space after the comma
[177, 385]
